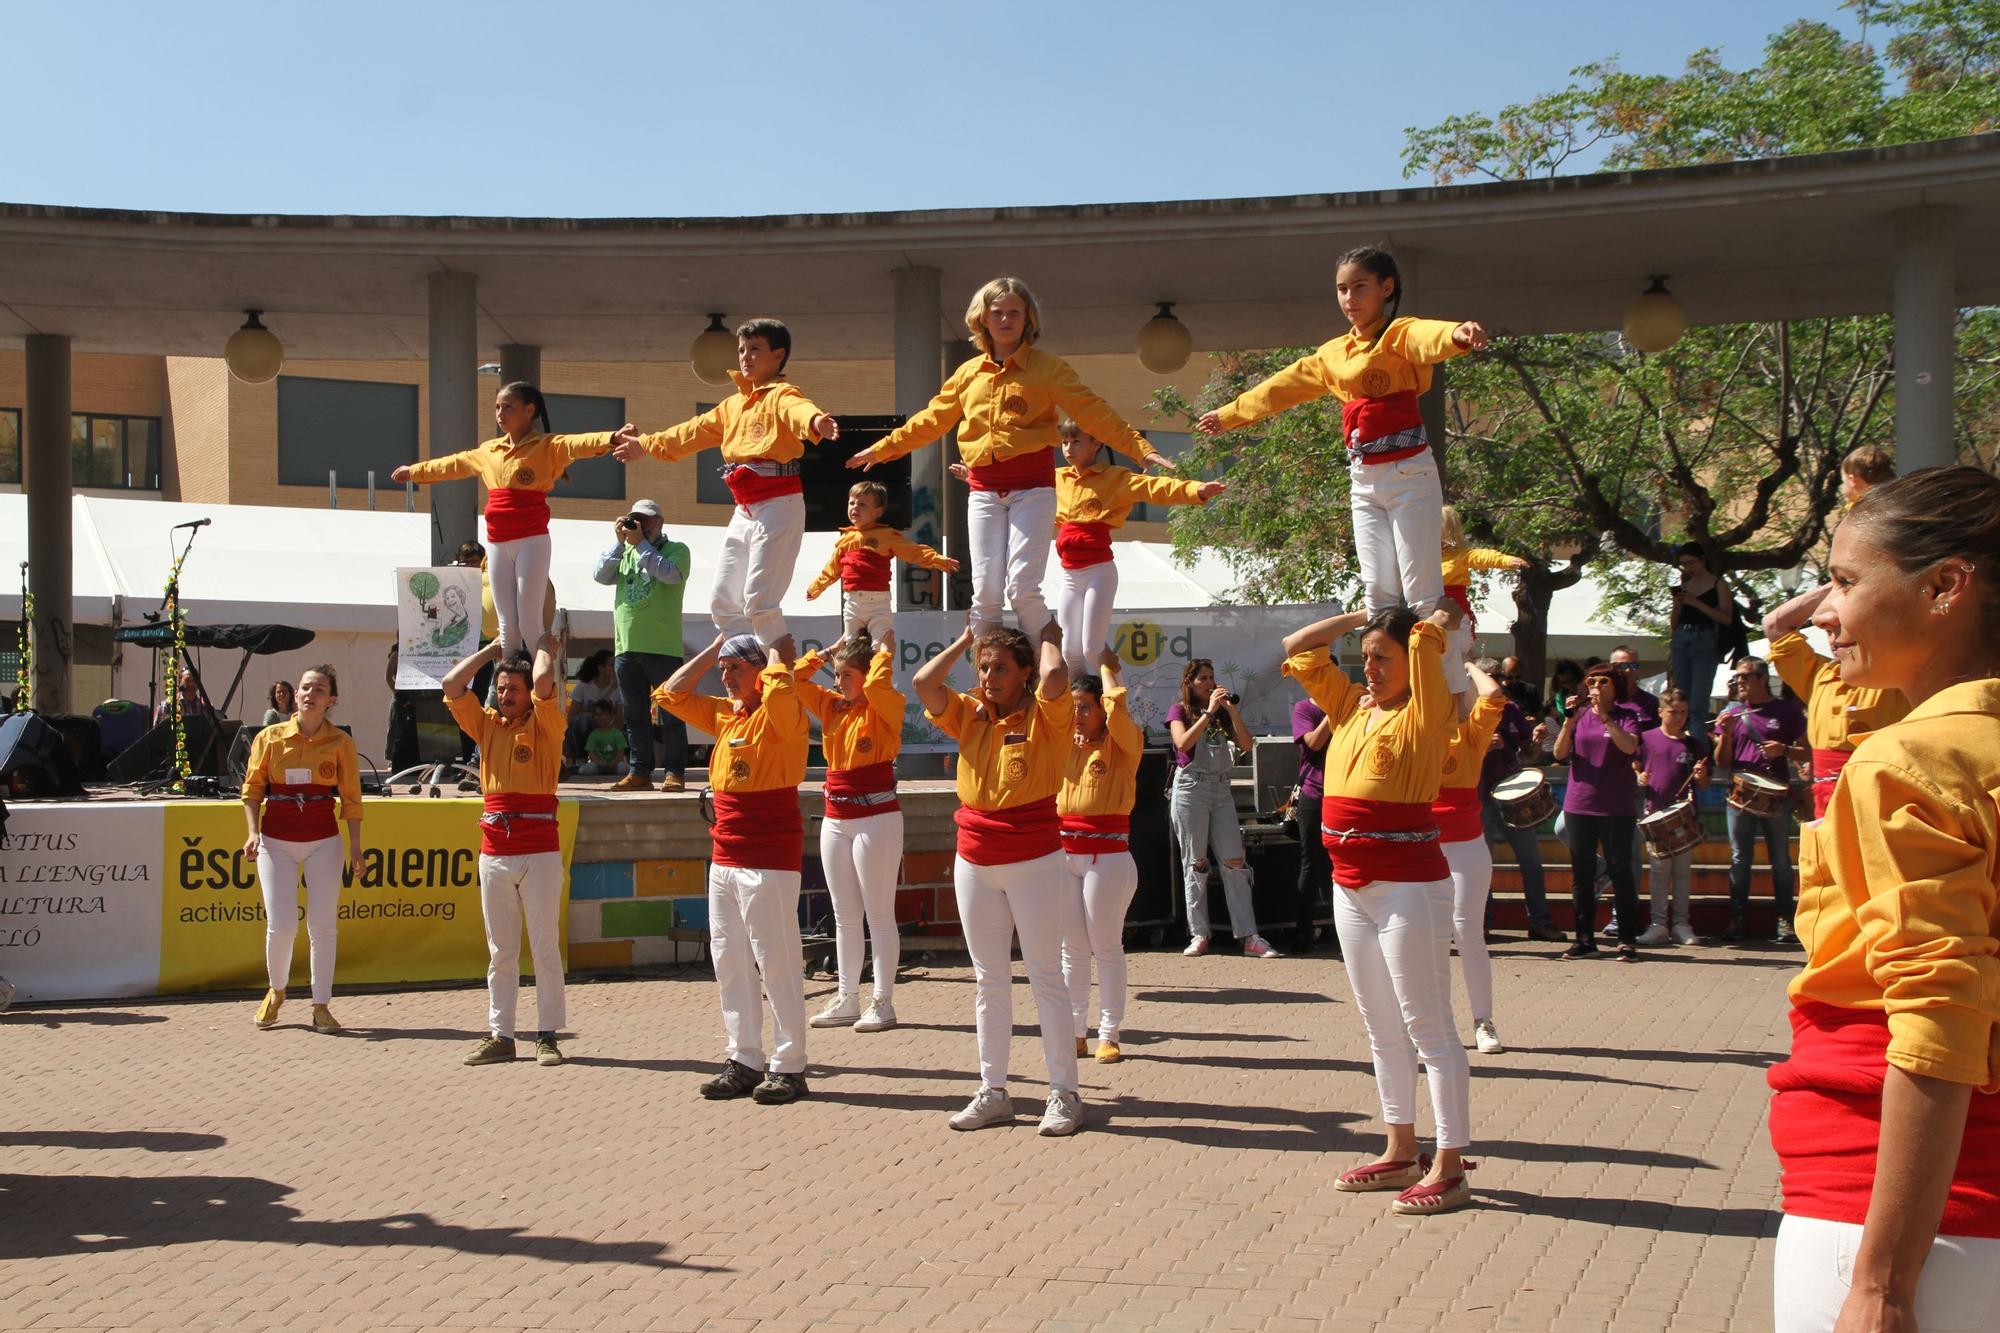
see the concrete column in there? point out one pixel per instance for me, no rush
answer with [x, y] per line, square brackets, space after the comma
[1926, 316]
[454, 407]
[1431, 402]
[48, 480]
[918, 297]
[957, 541]
[520, 361]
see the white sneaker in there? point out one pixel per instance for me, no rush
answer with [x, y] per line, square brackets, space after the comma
[1064, 1114]
[991, 1107]
[1655, 934]
[881, 1016]
[1259, 947]
[1487, 1038]
[1196, 947]
[841, 1013]
[1683, 933]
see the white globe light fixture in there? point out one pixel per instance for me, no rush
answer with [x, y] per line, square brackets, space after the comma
[712, 355]
[1655, 321]
[253, 353]
[1164, 342]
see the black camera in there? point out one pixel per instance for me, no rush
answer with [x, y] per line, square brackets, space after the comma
[1233, 697]
[629, 523]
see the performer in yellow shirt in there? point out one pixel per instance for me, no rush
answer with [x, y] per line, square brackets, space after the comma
[1005, 403]
[1095, 807]
[1392, 894]
[1886, 1118]
[1462, 831]
[1459, 561]
[861, 561]
[1839, 716]
[763, 430]
[519, 468]
[296, 770]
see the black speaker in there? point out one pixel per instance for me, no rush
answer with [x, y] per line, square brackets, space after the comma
[152, 755]
[81, 738]
[34, 759]
[826, 478]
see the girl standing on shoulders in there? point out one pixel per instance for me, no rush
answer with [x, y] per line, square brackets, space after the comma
[1005, 403]
[1392, 894]
[861, 838]
[1096, 811]
[297, 770]
[1459, 562]
[519, 467]
[1378, 369]
[1014, 740]
[1886, 1119]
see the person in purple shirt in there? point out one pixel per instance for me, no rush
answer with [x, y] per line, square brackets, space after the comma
[1752, 735]
[1310, 731]
[1626, 662]
[1598, 738]
[1503, 756]
[1672, 761]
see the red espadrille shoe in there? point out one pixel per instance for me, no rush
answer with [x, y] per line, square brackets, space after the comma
[1382, 1176]
[1447, 1195]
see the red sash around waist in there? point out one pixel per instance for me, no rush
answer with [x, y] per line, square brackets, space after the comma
[747, 487]
[1365, 419]
[1022, 472]
[863, 570]
[1460, 593]
[856, 793]
[1081, 545]
[519, 824]
[513, 513]
[1826, 769]
[759, 830]
[1004, 837]
[1826, 1123]
[1457, 812]
[1385, 840]
[1096, 835]
[299, 812]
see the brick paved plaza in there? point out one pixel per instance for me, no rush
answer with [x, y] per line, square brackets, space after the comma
[168, 1166]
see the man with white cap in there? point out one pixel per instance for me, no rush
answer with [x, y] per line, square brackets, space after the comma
[761, 735]
[650, 573]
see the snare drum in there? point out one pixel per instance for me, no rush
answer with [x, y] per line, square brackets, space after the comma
[1525, 798]
[1671, 831]
[1756, 795]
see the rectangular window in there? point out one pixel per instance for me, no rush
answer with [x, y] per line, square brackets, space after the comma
[588, 478]
[709, 487]
[10, 445]
[114, 453]
[1173, 444]
[348, 427]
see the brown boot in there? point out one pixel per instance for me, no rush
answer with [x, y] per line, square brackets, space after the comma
[670, 783]
[633, 782]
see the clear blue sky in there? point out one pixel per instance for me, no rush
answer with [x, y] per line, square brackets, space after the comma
[671, 109]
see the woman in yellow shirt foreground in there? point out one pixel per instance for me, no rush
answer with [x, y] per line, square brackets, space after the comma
[1885, 1119]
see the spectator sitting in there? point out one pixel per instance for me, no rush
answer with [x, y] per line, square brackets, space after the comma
[595, 683]
[604, 745]
[193, 705]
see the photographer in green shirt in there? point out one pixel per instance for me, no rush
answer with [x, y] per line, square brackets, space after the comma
[650, 573]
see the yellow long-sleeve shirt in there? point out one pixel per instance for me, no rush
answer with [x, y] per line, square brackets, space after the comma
[517, 757]
[1838, 716]
[281, 755]
[756, 749]
[1349, 367]
[1008, 761]
[1007, 411]
[861, 556]
[533, 463]
[1460, 561]
[1470, 740]
[1105, 493]
[1899, 887]
[1402, 759]
[855, 735]
[772, 421]
[1102, 777]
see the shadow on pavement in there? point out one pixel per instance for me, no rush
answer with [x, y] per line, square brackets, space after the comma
[1235, 995]
[58, 1215]
[1753, 1059]
[1652, 1216]
[1279, 1128]
[103, 1018]
[152, 1140]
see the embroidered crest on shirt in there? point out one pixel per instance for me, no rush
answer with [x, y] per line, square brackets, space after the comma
[327, 770]
[1097, 766]
[739, 770]
[1380, 761]
[756, 428]
[1014, 403]
[524, 476]
[1376, 382]
[1017, 769]
[1450, 764]
[865, 744]
[523, 754]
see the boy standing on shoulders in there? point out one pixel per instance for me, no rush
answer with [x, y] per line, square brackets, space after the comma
[759, 760]
[861, 561]
[520, 743]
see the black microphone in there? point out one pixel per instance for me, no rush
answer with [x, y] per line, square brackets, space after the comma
[198, 523]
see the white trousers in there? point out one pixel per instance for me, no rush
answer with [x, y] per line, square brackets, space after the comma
[1398, 513]
[1100, 890]
[994, 903]
[1471, 865]
[753, 932]
[279, 865]
[867, 610]
[1010, 533]
[1389, 932]
[518, 891]
[519, 573]
[861, 858]
[1083, 609]
[759, 548]
[1814, 1267]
